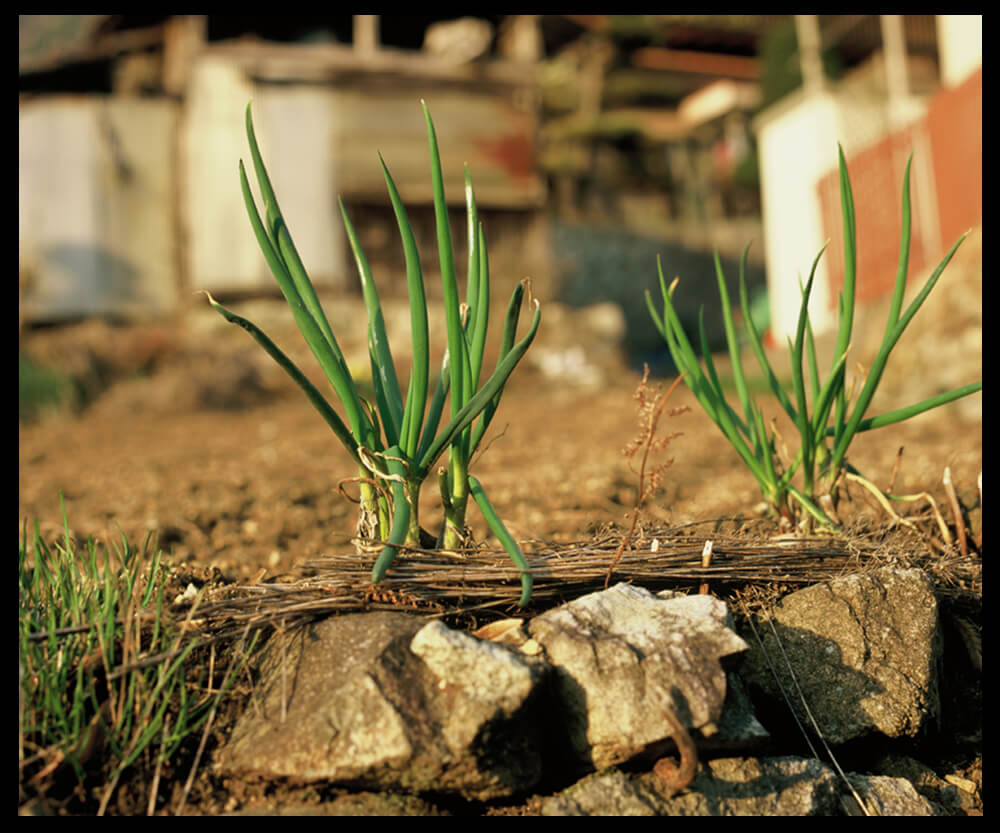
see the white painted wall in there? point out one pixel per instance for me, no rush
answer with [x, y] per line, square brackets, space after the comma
[960, 46]
[797, 145]
[796, 148]
[221, 251]
[96, 234]
[293, 125]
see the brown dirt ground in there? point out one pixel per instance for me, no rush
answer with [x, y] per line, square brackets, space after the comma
[198, 442]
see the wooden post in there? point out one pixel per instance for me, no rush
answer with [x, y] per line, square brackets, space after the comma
[894, 51]
[366, 34]
[810, 52]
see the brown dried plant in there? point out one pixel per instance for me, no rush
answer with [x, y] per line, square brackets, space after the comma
[651, 405]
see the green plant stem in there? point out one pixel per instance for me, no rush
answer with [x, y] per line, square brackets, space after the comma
[505, 538]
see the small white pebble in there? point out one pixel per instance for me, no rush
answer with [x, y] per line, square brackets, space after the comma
[187, 596]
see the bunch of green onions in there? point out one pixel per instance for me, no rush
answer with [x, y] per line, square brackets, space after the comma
[397, 441]
[825, 432]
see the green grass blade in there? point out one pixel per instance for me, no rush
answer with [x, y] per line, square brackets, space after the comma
[401, 513]
[476, 404]
[705, 389]
[810, 507]
[901, 414]
[734, 345]
[796, 353]
[683, 354]
[827, 397]
[479, 306]
[449, 285]
[850, 256]
[390, 400]
[843, 439]
[757, 344]
[436, 407]
[814, 379]
[267, 246]
[387, 405]
[282, 240]
[902, 270]
[506, 345]
[806, 331]
[709, 397]
[322, 344]
[765, 453]
[717, 391]
[845, 307]
[416, 397]
[473, 273]
[330, 416]
[505, 538]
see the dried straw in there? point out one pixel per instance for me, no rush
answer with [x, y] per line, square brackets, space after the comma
[437, 583]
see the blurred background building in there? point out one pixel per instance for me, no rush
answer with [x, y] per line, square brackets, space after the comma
[595, 143]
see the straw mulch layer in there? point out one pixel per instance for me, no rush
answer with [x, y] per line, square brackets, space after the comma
[482, 584]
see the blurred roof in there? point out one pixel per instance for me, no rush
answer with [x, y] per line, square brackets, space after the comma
[44, 39]
[49, 41]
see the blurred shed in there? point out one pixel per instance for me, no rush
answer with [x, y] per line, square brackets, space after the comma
[129, 195]
[915, 87]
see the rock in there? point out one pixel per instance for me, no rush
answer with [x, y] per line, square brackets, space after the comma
[388, 701]
[723, 787]
[617, 653]
[604, 794]
[886, 796]
[925, 781]
[357, 804]
[397, 703]
[864, 649]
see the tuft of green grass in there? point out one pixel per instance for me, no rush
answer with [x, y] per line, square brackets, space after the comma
[106, 677]
[825, 415]
[40, 389]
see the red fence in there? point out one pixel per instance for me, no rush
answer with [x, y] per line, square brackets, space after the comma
[955, 125]
[946, 191]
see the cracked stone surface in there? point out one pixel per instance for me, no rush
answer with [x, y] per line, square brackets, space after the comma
[381, 701]
[619, 653]
[864, 650]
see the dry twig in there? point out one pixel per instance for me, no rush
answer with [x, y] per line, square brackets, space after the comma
[650, 411]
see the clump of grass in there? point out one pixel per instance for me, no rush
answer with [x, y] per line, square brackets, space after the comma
[397, 440]
[826, 416]
[105, 674]
[40, 389]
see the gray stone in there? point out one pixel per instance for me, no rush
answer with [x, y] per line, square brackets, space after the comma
[604, 794]
[356, 804]
[864, 650]
[388, 701]
[722, 787]
[619, 653]
[887, 796]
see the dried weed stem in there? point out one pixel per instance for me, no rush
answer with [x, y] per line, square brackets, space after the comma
[651, 406]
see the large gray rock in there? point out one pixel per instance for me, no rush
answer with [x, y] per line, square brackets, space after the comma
[723, 787]
[390, 701]
[864, 650]
[619, 653]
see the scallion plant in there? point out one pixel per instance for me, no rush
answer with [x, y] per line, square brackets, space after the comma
[398, 440]
[826, 418]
